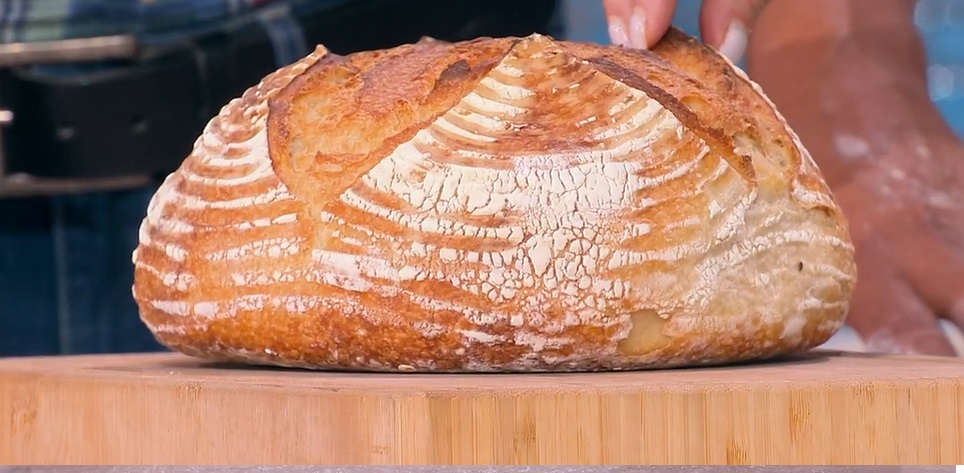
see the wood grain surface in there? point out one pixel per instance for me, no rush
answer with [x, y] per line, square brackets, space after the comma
[478, 469]
[823, 408]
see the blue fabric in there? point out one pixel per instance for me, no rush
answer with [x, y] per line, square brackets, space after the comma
[151, 21]
[28, 293]
[65, 274]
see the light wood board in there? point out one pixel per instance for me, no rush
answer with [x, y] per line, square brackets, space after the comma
[824, 408]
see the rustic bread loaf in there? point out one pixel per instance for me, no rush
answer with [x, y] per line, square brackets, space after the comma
[513, 204]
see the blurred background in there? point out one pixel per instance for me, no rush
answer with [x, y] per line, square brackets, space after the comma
[88, 126]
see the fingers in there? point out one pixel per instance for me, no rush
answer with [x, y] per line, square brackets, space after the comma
[638, 23]
[890, 317]
[936, 272]
[899, 322]
[726, 24]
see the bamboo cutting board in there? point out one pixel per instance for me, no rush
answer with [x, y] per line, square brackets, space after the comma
[822, 408]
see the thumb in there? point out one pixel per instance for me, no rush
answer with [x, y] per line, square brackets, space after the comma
[726, 24]
[638, 23]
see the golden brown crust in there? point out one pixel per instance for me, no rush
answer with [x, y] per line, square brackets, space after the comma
[514, 204]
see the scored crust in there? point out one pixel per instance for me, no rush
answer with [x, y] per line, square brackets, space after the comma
[510, 204]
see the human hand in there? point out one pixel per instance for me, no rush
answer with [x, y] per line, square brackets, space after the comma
[724, 24]
[906, 222]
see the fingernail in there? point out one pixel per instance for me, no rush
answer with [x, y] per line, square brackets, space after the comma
[953, 335]
[637, 29]
[617, 31]
[734, 43]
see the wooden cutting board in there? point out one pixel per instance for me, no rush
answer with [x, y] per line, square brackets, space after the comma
[821, 408]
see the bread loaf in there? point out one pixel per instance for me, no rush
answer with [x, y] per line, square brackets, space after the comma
[510, 204]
